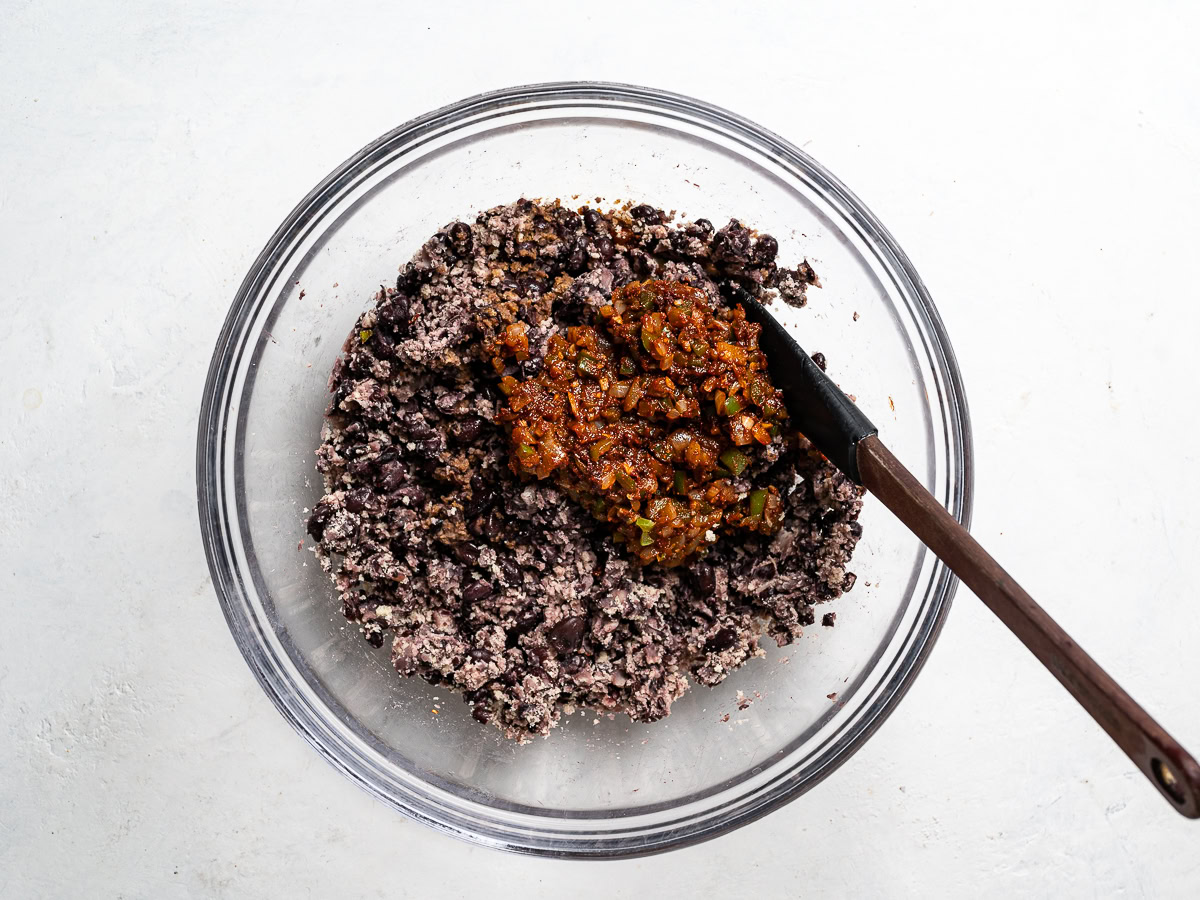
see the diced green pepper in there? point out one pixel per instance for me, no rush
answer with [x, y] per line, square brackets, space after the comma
[587, 364]
[599, 509]
[732, 406]
[600, 447]
[364, 335]
[525, 451]
[626, 483]
[643, 523]
[680, 483]
[758, 502]
[646, 539]
[734, 460]
[626, 368]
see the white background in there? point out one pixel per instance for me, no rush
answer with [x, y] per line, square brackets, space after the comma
[1039, 162]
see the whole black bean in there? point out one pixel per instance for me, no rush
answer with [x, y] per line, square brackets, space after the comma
[567, 634]
[646, 213]
[570, 220]
[478, 590]
[467, 430]
[819, 359]
[594, 221]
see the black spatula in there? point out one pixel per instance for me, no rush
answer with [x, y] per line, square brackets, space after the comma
[837, 427]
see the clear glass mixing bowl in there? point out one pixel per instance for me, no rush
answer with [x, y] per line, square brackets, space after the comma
[602, 788]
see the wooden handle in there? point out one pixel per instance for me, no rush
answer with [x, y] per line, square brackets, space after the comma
[1160, 757]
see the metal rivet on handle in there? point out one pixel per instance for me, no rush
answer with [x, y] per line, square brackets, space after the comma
[1167, 781]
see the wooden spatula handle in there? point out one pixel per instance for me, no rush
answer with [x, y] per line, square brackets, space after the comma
[1160, 757]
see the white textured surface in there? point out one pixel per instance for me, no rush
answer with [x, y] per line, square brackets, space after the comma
[1041, 168]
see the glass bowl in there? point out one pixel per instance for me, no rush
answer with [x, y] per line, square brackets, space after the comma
[596, 787]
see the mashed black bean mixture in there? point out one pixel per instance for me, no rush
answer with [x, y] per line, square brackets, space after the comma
[500, 586]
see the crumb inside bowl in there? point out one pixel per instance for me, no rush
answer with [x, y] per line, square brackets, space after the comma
[599, 786]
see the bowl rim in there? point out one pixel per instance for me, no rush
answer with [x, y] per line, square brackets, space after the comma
[211, 449]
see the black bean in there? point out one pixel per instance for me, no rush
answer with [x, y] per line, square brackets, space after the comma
[644, 265]
[646, 213]
[493, 528]
[704, 226]
[510, 571]
[604, 246]
[481, 500]
[573, 663]
[766, 248]
[567, 634]
[856, 529]
[806, 616]
[829, 619]
[479, 590]
[526, 622]
[394, 314]
[526, 250]
[849, 581]
[413, 493]
[359, 499]
[466, 553]
[479, 655]
[732, 243]
[531, 286]
[418, 429]
[433, 676]
[703, 578]
[391, 476]
[594, 221]
[467, 430]
[461, 238]
[359, 467]
[819, 359]
[569, 219]
[320, 517]
[374, 635]
[577, 260]
[447, 401]
[722, 640]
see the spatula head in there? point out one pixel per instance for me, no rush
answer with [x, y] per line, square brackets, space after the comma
[818, 408]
